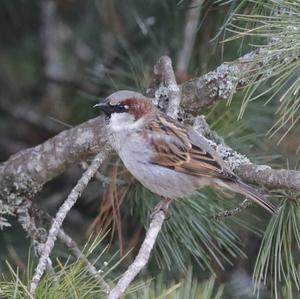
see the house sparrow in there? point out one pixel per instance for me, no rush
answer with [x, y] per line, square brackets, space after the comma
[167, 157]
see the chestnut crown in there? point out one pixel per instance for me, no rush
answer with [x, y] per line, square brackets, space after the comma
[126, 101]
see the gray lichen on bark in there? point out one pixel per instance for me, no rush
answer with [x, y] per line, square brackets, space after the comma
[5, 210]
[219, 84]
[25, 173]
[16, 186]
[232, 158]
[13, 189]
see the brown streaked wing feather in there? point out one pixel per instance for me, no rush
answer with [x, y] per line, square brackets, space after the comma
[184, 151]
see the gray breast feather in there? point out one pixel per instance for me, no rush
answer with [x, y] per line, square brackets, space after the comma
[160, 180]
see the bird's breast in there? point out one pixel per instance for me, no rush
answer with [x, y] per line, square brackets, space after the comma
[158, 179]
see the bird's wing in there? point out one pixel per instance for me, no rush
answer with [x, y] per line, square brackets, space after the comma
[183, 150]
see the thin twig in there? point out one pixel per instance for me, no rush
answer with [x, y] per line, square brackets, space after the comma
[227, 213]
[142, 258]
[71, 245]
[62, 213]
[100, 177]
[37, 235]
[76, 252]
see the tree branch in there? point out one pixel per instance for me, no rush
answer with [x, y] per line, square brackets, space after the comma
[142, 258]
[61, 214]
[38, 235]
[71, 245]
[164, 70]
[219, 84]
[76, 252]
[262, 175]
[269, 178]
[24, 173]
[227, 213]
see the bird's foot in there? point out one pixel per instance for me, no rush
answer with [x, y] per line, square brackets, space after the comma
[163, 205]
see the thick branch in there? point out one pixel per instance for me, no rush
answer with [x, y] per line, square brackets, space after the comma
[24, 173]
[269, 178]
[165, 71]
[262, 175]
[216, 85]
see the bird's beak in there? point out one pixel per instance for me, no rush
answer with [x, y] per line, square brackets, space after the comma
[98, 105]
[105, 107]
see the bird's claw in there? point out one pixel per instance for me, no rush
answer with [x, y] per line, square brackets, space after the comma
[163, 205]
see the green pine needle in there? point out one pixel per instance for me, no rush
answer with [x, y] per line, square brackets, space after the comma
[71, 281]
[274, 27]
[190, 231]
[276, 262]
[186, 288]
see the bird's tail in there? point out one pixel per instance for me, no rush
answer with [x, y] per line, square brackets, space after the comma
[250, 192]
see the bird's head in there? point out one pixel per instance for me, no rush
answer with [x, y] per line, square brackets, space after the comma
[125, 108]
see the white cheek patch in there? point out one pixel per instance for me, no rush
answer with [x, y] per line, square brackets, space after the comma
[121, 121]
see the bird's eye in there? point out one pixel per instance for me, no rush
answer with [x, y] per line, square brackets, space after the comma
[120, 108]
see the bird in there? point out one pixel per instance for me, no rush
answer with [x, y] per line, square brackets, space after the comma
[167, 157]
